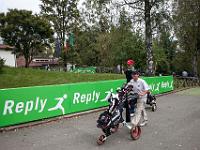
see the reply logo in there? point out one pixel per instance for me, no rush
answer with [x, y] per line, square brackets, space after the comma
[59, 104]
[86, 97]
[40, 104]
[25, 107]
[11, 106]
[161, 85]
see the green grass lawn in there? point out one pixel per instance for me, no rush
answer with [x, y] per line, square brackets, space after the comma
[22, 77]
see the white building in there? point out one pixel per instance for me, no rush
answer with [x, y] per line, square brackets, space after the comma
[6, 52]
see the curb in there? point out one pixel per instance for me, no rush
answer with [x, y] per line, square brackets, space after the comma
[46, 121]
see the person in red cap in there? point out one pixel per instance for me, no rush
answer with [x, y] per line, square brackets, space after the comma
[129, 108]
[128, 72]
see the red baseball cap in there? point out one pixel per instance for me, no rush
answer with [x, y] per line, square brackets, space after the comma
[130, 62]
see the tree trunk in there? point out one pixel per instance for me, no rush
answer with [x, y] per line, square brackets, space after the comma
[26, 62]
[194, 64]
[148, 39]
[63, 27]
[26, 56]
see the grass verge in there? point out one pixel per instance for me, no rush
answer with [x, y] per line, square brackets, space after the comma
[23, 77]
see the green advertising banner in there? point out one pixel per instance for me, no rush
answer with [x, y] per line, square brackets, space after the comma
[90, 70]
[160, 84]
[20, 105]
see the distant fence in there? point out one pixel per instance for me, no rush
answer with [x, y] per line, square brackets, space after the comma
[183, 82]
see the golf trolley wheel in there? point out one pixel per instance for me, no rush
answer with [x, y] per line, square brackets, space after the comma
[113, 130]
[101, 140]
[135, 133]
[154, 107]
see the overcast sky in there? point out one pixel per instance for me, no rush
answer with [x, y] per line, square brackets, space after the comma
[23, 4]
[20, 4]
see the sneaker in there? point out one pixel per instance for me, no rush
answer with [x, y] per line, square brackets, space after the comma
[144, 123]
[124, 123]
[128, 125]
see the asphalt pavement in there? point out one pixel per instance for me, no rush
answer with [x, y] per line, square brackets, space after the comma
[174, 126]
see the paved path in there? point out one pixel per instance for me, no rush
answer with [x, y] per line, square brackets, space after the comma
[174, 126]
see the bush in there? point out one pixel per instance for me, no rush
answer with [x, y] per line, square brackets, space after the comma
[1, 64]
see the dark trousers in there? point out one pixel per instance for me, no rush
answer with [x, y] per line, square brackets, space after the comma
[130, 108]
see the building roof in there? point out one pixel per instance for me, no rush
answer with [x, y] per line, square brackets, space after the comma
[6, 47]
[37, 62]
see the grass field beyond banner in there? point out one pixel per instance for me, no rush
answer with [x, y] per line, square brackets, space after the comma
[22, 77]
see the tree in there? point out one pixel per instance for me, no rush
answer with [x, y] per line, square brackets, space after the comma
[151, 12]
[111, 47]
[187, 19]
[97, 13]
[182, 61]
[160, 56]
[103, 47]
[86, 47]
[168, 44]
[63, 15]
[26, 32]
[127, 44]
[94, 33]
